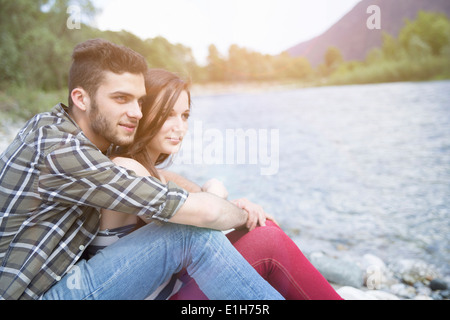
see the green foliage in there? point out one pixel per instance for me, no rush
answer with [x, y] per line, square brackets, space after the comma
[333, 57]
[246, 65]
[36, 44]
[430, 31]
[421, 52]
[23, 103]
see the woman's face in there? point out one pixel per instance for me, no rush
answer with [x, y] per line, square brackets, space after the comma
[168, 139]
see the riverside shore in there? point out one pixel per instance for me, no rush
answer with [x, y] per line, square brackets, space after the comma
[370, 278]
[364, 277]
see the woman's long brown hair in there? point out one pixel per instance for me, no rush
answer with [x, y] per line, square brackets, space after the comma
[163, 89]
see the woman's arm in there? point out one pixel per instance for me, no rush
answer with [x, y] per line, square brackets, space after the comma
[207, 210]
[213, 186]
[201, 209]
[180, 181]
[256, 214]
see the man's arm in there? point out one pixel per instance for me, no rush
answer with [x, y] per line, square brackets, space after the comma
[255, 213]
[201, 209]
[210, 211]
[180, 181]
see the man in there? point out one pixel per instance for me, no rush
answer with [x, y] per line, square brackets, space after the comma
[55, 177]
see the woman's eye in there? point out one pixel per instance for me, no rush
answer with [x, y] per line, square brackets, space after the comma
[185, 116]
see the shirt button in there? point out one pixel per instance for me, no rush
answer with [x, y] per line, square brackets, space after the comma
[81, 247]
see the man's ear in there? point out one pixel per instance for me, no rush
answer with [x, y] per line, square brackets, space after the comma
[80, 98]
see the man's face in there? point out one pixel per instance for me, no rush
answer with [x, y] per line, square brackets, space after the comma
[115, 110]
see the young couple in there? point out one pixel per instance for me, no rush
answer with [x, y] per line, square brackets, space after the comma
[57, 188]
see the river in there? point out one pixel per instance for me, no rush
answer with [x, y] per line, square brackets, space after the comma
[355, 169]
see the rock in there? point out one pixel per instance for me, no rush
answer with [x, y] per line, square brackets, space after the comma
[422, 297]
[376, 273]
[403, 290]
[342, 272]
[437, 284]
[436, 296]
[412, 271]
[421, 289]
[382, 295]
[445, 294]
[351, 293]
[372, 260]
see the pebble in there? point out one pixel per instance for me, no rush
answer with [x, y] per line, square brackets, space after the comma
[338, 271]
[438, 284]
[413, 271]
[403, 290]
[445, 294]
[370, 278]
[351, 293]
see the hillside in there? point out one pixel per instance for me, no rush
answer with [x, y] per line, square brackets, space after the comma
[351, 35]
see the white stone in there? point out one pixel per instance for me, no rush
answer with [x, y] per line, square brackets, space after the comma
[351, 293]
[422, 297]
[382, 295]
[372, 260]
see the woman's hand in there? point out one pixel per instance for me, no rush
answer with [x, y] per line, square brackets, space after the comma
[256, 214]
[216, 187]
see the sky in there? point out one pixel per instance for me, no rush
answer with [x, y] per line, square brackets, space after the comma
[265, 26]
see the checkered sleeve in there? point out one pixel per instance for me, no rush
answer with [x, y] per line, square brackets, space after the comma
[82, 175]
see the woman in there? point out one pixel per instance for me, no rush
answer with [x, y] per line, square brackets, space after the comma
[263, 244]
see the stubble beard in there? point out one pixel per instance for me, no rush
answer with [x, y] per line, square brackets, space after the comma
[101, 126]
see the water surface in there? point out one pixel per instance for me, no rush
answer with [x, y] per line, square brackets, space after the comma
[363, 168]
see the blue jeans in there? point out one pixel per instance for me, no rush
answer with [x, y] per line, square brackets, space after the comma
[134, 266]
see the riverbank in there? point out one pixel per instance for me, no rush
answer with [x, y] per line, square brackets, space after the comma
[349, 197]
[370, 278]
[354, 278]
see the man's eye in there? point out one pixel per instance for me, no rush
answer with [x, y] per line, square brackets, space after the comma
[121, 99]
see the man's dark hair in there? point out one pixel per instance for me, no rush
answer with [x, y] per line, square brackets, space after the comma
[91, 58]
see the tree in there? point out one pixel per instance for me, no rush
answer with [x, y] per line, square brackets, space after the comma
[432, 29]
[238, 64]
[216, 65]
[36, 43]
[390, 48]
[300, 68]
[333, 57]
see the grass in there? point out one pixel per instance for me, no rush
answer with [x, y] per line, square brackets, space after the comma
[18, 103]
[427, 68]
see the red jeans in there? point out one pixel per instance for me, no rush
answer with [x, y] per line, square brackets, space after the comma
[278, 260]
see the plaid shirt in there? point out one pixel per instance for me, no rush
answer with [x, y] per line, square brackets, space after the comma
[53, 181]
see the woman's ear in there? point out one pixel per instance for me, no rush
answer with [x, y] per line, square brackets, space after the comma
[80, 98]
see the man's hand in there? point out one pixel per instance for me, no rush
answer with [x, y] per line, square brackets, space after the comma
[207, 210]
[256, 214]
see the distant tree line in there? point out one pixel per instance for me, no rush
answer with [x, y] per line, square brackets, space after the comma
[421, 51]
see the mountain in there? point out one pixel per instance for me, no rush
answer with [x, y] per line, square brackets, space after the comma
[351, 34]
